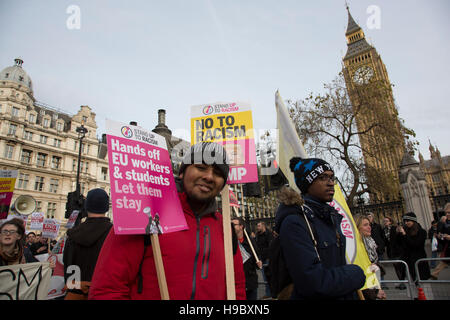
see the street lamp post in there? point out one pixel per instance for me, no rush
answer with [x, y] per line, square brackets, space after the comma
[81, 134]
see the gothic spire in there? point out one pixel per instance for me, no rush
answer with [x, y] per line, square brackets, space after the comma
[356, 40]
[352, 26]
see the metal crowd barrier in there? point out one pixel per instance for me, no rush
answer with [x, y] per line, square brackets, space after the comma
[393, 294]
[433, 289]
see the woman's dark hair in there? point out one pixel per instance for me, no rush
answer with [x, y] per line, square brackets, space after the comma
[18, 223]
[390, 219]
[412, 232]
[241, 221]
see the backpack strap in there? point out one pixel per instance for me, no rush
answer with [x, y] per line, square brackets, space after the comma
[147, 242]
[310, 229]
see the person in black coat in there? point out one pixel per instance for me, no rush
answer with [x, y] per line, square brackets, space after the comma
[250, 263]
[389, 233]
[40, 246]
[84, 243]
[392, 248]
[411, 240]
[377, 235]
[263, 239]
[443, 230]
[318, 267]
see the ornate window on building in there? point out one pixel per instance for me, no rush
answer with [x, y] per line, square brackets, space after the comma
[41, 159]
[15, 112]
[9, 151]
[38, 206]
[56, 162]
[39, 184]
[59, 126]
[104, 173]
[46, 122]
[31, 118]
[57, 143]
[12, 129]
[54, 183]
[23, 181]
[436, 178]
[25, 157]
[43, 139]
[51, 210]
[84, 166]
[85, 148]
[28, 135]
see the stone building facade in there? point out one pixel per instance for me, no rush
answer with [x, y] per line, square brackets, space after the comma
[42, 144]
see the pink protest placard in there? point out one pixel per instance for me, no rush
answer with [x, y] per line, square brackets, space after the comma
[50, 228]
[242, 157]
[37, 220]
[229, 124]
[143, 192]
[73, 217]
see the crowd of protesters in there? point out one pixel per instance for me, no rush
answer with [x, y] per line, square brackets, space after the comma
[306, 226]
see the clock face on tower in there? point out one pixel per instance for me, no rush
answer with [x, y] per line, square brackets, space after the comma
[362, 75]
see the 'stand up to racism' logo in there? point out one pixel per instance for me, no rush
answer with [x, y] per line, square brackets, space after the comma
[208, 110]
[126, 132]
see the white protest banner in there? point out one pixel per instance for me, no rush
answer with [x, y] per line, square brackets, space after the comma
[37, 220]
[50, 228]
[28, 281]
[72, 219]
[56, 284]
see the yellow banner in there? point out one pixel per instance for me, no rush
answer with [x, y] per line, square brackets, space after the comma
[7, 184]
[356, 252]
[222, 127]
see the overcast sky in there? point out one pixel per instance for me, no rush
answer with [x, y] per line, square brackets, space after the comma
[127, 59]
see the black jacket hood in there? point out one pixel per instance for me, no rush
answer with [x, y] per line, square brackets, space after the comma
[291, 202]
[87, 233]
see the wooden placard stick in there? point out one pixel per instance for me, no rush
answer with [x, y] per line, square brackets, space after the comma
[163, 290]
[242, 197]
[228, 245]
[248, 239]
[360, 295]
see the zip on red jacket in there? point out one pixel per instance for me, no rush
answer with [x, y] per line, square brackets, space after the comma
[194, 263]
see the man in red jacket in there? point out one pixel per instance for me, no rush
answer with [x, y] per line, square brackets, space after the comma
[194, 259]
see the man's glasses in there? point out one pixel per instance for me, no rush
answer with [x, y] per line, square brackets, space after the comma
[8, 232]
[326, 178]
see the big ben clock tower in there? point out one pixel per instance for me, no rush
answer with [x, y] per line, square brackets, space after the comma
[376, 116]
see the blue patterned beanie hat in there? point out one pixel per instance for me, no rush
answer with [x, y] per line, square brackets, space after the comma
[307, 170]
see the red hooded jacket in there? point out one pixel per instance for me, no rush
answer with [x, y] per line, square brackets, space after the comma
[194, 263]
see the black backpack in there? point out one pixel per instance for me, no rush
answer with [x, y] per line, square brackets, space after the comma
[280, 281]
